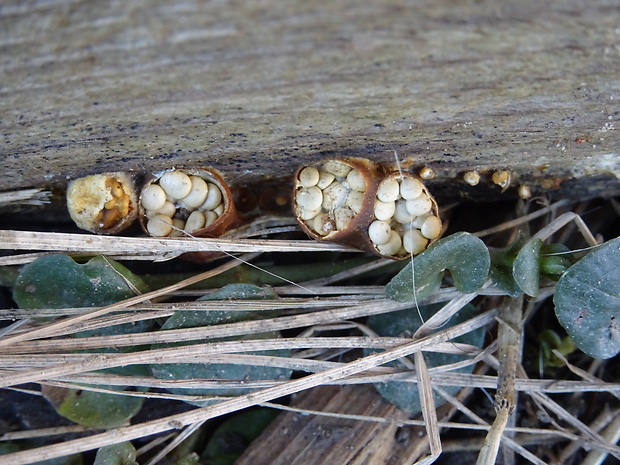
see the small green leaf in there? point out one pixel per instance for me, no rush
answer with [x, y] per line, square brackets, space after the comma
[123, 453]
[241, 291]
[223, 371]
[56, 281]
[465, 255]
[405, 395]
[587, 301]
[526, 268]
[502, 260]
[549, 341]
[95, 409]
[555, 260]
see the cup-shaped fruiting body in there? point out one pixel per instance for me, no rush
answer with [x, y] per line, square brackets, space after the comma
[333, 200]
[103, 203]
[502, 179]
[196, 201]
[406, 218]
[472, 178]
[351, 202]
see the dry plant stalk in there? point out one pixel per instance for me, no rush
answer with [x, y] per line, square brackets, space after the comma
[178, 421]
[37, 362]
[114, 245]
[509, 341]
[25, 197]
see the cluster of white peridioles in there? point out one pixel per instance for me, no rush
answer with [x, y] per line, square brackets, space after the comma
[336, 199]
[329, 196]
[406, 219]
[351, 201]
[180, 201]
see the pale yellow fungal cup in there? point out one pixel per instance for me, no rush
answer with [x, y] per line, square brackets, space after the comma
[103, 203]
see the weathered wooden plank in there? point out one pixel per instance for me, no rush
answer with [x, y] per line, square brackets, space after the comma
[257, 88]
[297, 438]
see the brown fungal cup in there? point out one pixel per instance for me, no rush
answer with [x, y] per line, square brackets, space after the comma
[103, 203]
[333, 200]
[349, 201]
[196, 201]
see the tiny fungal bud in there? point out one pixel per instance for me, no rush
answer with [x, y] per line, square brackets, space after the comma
[472, 178]
[524, 192]
[427, 173]
[103, 203]
[502, 179]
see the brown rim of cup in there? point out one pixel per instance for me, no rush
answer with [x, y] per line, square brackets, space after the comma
[167, 198]
[333, 199]
[354, 202]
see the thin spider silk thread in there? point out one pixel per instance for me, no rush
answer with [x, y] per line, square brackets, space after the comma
[413, 288]
[200, 239]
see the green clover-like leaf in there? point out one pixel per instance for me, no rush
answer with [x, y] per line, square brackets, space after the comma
[587, 301]
[465, 255]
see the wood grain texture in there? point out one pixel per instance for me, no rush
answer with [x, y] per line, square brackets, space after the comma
[257, 88]
[308, 439]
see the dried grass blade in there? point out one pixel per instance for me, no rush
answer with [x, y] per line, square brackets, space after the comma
[429, 413]
[190, 334]
[591, 437]
[111, 245]
[507, 441]
[25, 197]
[177, 421]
